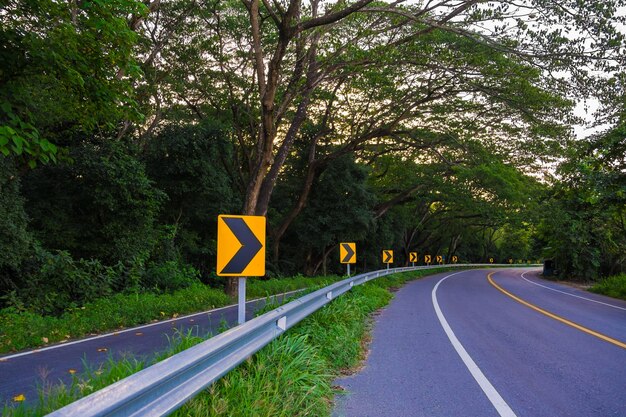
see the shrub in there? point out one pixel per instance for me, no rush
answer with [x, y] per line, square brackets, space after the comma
[60, 282]
[614, 286]
[101, 206]
[170, 276]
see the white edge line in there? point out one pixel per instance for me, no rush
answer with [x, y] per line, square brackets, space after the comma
[492, 394]
[571, 295]
[132, 329]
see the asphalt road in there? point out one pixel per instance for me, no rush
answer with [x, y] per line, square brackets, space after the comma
[24, 372]
[459, 346]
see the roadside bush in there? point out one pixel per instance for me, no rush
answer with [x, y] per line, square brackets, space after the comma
[170, 276]
[190, 164]
[263, 287]
[15, 239]
[59, 282]
[614, 286]
[102, 206]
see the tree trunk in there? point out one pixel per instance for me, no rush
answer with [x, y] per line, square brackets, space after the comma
[278, 233]
[232, 287]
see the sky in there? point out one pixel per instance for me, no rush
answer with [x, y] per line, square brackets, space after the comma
[585, 110]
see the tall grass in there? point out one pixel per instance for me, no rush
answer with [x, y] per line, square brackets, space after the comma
[21, 330]
[54, 396]
[614, 286]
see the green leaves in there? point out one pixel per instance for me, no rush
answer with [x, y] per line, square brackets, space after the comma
[101, 206]
[23, 140]
[584, 218]
[63, 70]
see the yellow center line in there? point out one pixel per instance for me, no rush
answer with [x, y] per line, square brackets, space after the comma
[555, 317]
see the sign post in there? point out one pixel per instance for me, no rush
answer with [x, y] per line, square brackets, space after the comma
[347, 254]
[490, 260]
[413, 258]
[427, 259]
[455, 259]
[439, 259]
[241, 252]
[387, 257]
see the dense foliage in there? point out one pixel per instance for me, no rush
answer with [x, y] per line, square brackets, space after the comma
[586, 229]
[127, 126]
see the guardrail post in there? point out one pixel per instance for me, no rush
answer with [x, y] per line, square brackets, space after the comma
[281, 323]
[241, 316]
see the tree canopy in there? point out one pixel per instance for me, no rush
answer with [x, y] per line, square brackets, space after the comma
[445, 127]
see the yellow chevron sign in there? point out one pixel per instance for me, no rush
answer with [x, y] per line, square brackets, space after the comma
[413, 257]
[240, 246]
[347, 253]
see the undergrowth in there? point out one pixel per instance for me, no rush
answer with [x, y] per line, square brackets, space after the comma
[614, 286]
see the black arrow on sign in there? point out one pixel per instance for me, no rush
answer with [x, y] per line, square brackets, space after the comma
[349, 254]
[413, 257]
[388, 256]
[250, 245]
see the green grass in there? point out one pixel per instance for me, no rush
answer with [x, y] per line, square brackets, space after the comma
[28, 330]
[24, 330]
[54, 396]
[292, 376]
[614, 286]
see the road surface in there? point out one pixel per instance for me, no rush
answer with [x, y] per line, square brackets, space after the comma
[463, 344]
[23, 372]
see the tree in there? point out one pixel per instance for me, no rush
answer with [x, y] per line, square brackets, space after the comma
[404, 65]
[584, 226]
[64, 70]
[455, 204]
[191, 165]
[100, 206]
[287, 48]
[340, 210]
[15, 239]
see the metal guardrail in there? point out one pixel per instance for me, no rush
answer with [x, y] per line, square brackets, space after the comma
[165, 386]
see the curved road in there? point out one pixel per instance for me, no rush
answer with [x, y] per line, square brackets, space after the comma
[23, 373]
[511, 344]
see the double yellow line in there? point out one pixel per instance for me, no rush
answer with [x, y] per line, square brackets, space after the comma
[555, 317]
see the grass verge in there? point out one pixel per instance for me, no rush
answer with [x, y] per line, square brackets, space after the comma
[614, 286]
[24, 330]
[292, 376]
[54, 396]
